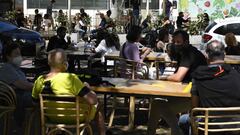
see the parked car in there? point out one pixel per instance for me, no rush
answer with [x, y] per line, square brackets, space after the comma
[30, 41]
[219, 28]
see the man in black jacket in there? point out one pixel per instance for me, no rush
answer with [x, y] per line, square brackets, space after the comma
[215, 85]
[58, 41]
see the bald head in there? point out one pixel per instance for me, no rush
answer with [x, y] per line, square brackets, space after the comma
[57, 59]
[215, 50]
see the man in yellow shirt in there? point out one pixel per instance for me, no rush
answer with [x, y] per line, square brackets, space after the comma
[62, 83]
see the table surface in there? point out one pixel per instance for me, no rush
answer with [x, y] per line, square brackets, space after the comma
[144, 87]
[153, 56]
[232, 59]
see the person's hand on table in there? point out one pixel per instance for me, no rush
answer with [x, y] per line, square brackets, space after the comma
[163, 77]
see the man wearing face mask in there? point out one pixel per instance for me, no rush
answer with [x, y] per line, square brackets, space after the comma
[11, 74]
[188, 59]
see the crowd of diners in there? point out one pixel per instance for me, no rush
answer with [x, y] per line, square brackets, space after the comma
[214, 83]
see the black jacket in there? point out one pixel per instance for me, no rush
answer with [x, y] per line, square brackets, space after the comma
[216, 86]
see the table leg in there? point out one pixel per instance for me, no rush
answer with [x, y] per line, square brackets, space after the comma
[157, 69]
[131, 113]
[105, 105]
[113, 112]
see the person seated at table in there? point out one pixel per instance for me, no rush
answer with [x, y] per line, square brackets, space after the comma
[214, 85]
[233, 47]
[11, 74]
[62, 82]
[163, 37]
[188, 59]
[58, 41]
[133, 50]
[110, 43]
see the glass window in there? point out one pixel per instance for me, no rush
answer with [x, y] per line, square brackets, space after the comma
[221, 30]
[76, 4]
[209, 27]
[234, 28]
[153, 4]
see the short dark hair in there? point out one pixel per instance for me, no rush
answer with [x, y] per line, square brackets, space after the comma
[60, 29]
[134, 33]
[36, 10]
[8, 49]
[109, 12]
[215, 50]
[184, 34]
[162, 33]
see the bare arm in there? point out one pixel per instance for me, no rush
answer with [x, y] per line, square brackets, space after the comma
[23, 85]
[178, 77]
[145, 52]
[91, 96]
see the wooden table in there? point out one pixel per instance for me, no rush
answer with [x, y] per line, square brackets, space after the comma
[153, 56]
[145, 88]
[232, 59]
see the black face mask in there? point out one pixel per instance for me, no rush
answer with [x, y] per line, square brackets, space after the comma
[178, 48]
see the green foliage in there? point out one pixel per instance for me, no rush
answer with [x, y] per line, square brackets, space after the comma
[158, 22]
[88, 20]
[234, 12]
[219, 3]
[62, 19]
[196, 27]
[11, 16]
[217, 14]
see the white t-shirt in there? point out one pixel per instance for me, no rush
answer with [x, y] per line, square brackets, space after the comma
[102, 47]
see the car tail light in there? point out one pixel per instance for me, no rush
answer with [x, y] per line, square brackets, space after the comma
[206, 38]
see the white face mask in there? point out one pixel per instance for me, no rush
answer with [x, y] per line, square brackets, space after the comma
[17, 61]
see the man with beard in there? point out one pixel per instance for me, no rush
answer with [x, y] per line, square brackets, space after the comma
[188, 59]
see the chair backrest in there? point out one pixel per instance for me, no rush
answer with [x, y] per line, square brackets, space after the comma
[215, 120]
[130, 69]
[64, 109]
[7, 95]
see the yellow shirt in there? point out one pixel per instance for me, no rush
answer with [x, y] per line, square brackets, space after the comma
[61, 84]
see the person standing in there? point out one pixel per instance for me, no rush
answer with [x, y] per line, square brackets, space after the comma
[168, 6]
[49, 10]
[136, 11]
[20, 18]
[37, 20]
[181, 21]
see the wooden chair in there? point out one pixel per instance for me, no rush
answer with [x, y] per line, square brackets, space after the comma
[64, 112]
[215, 120]
[125, 68]
[7, 105]
[128, 69]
